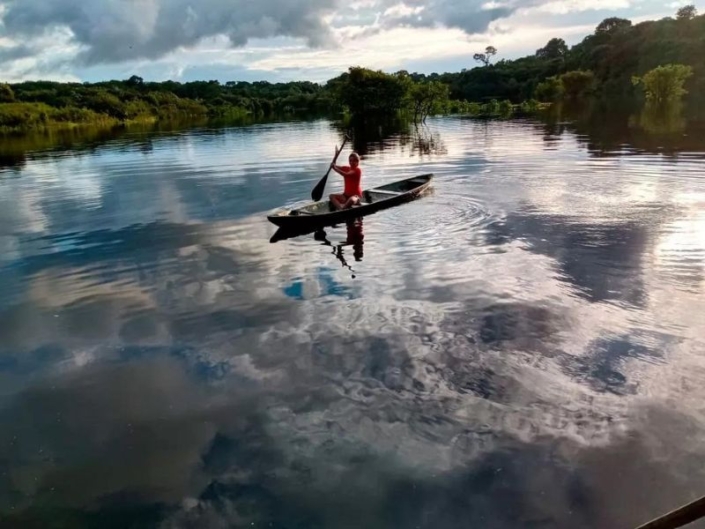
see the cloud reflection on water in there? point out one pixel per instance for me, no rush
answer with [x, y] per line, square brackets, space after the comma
[494, 371]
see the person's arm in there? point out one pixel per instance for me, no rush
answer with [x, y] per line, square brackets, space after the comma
[338, 169]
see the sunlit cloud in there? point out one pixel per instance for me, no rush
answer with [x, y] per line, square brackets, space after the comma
[562, 7]
[71, 40]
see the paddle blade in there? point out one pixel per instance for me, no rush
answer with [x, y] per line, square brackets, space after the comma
[317, 192]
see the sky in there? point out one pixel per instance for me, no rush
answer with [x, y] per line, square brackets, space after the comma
[284, 40]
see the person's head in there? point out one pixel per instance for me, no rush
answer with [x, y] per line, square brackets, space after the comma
[354, 159]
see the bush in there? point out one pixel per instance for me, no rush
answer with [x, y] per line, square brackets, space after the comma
[491, 108]
[577, 83]
[106, 103]
[475, 108]
[6, 93]
[529, 106]
[549, 90]
[506, 108]
[76, 115]
[23, 115]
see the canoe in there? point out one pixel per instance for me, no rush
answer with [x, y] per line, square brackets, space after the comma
[322, 213]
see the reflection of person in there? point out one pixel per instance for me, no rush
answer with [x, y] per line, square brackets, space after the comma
[352, 174]
[356, 237]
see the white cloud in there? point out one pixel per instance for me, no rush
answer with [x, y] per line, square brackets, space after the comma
[402, 10]
[387, 50]
[47, 57]
[385, 34]
[562, 7]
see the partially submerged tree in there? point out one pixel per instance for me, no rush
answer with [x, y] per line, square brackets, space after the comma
[577, 84]
[665, 84]
[366, 91]
[427, 96]
[549, 90]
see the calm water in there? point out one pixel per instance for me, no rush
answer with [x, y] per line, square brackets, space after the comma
[522, 347]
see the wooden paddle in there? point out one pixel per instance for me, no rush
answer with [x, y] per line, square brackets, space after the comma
[317, 192]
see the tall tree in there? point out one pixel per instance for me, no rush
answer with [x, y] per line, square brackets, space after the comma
[687, 13]
[554, 49]
[612, 24]
[486, 57]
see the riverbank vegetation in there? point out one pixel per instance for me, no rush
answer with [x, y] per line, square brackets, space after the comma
[653, 60]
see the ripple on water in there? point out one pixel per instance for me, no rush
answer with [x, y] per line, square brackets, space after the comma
[438, 222]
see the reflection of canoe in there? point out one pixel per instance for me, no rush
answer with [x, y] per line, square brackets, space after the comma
[322, 213]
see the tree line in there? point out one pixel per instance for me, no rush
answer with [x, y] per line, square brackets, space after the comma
[653, 60]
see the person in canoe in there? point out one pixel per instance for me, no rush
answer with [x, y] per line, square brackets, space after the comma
[352, 174]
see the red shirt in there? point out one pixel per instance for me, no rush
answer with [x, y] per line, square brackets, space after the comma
[352, 181]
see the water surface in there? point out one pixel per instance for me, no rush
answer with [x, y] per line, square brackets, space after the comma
[521, 347]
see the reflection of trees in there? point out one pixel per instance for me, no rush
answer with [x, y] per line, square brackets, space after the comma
[15, 149]
[372, 135]
[12, 159]
[426, 142]
[607, 127]
[661, 119]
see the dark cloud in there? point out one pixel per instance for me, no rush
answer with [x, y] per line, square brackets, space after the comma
[14, 53]
[114, 31]
[471, 17]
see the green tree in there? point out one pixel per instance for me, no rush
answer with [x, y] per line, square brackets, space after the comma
[106, 103]
[577, 84]
[665, 84]
[427, 97]
[135, 80]
[486, 57]
[506, 108]
[612, 25]
[549, 90]
[366, 91]
[6, 93]
[554, 49]
[688, 12]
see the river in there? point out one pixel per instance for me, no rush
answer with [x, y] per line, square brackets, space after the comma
[523, 346]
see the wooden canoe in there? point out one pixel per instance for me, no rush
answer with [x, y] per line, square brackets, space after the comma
[322, 213]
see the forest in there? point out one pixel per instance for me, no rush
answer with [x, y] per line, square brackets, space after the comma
[656, 60]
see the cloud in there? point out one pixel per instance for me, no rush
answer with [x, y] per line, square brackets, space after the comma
[414, 390]
[562, 7]
[16, 52]
[115, 31]
[119, 30]
[470, 17]
[279, 40]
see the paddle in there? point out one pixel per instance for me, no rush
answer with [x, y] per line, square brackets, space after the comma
[317, 192]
